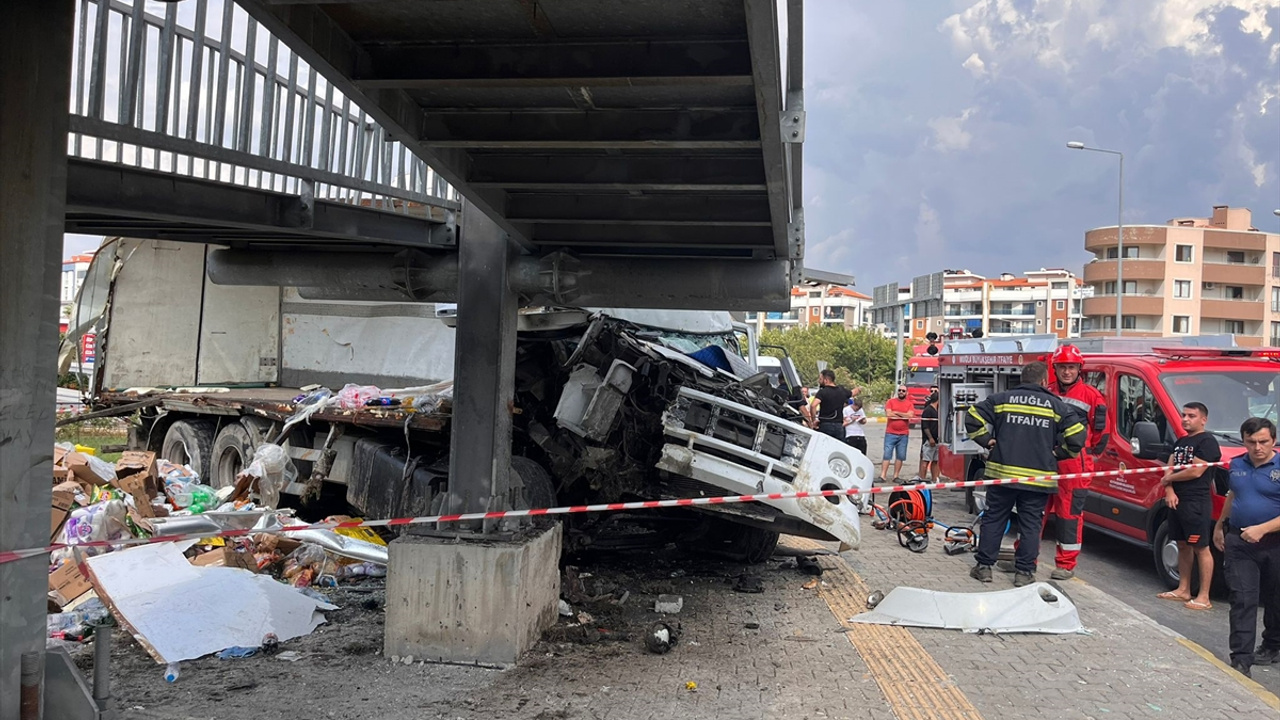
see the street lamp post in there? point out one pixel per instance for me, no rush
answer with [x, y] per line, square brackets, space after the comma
[1075, 145]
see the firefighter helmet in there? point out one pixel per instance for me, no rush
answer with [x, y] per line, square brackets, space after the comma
[1068, 354]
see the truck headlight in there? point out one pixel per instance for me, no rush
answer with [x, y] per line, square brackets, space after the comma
[839, 467]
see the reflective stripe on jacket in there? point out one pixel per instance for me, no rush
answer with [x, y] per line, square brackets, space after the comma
[1087, 401]
[1028, 423]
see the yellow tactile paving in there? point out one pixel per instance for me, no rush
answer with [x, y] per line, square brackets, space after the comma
[912, 682]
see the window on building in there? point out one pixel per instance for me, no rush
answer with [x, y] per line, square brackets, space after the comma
[1109, 287]
[814, 311]
[1235, 257]
[815, 293]
[1130, 287]
[1184, 253]
[1060, 305]
[919, 326]
[1275, 334]
[1182, 289]
[1138, 404]
[1129, 322]
[1059, 324]
[1275, 299]
[1233, 327]
[1234, 292]
[1182, 324]
[1130, 253]
[1058, 285]
[1075, 326]
[1275, 264]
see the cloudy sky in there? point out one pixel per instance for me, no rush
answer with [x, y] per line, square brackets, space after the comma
[939, 129]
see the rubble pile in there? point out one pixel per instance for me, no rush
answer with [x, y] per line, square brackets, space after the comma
[142, 586]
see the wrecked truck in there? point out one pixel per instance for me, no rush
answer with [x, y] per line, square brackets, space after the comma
[610, 405]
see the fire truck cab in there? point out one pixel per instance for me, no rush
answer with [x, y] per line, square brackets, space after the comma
[1145, 381]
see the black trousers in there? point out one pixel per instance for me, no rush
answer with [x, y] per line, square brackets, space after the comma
[1252, 572]
[857, 441]
[834, 428]
[1001, 501]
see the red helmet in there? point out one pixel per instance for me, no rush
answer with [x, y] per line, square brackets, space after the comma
[1067, 354]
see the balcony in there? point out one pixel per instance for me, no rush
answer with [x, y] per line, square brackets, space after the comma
[1133, 305]
[1217, 239]
[1103, 238]
[1230, 273]
[1227, 309]
[1140, 269]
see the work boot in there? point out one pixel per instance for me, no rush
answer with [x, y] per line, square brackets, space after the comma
[1266, 656]
[1061, 574]
[1020, 579]
[981, 573]
[1006, 566]
[1241, 668]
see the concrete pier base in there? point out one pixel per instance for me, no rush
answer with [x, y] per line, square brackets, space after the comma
[471, 601]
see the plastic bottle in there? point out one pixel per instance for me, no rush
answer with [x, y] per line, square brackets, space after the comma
[171, 673]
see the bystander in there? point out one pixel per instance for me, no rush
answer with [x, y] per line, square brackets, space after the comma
[897, 434]
[1187, 494]
[1248, 534]
[830, 405]
[929, 467]
[855, 425]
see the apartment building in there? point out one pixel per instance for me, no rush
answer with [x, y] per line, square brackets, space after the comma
[1037, 302]
[1191, 276]
[817, 304]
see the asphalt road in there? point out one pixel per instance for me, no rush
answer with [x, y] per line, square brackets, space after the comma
[1123, 570]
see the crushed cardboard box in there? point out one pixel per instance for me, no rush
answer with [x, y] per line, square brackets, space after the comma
[226, 557]
[67, 583]
[139, 462]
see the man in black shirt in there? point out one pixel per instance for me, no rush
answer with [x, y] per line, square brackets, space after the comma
[1187, 493]
[830, 406]
[929, 467]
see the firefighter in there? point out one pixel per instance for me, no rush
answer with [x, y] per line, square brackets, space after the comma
[1028, 429]
[1067, 506]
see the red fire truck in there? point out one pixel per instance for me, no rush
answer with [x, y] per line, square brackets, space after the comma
[1146, 382]
[921, 376]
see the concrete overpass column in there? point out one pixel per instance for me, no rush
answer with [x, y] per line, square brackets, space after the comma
[35, 79]
[479, 592]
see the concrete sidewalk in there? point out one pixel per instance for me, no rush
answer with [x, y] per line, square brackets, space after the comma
[1126, 667]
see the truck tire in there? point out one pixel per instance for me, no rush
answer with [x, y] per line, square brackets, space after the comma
[232, 452]
[1165, 553]
[190, 443]
[758, 545]
[539, 491]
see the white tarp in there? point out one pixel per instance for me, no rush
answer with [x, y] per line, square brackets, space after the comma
[1035, 608]
[179, 611]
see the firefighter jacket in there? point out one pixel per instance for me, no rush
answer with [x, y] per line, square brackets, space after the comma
[1092, 408]
[1033, 429]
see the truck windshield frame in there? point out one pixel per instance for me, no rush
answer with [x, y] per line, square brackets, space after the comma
[922, 377]
[1231, 395]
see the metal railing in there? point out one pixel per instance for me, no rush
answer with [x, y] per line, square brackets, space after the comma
[202, 90]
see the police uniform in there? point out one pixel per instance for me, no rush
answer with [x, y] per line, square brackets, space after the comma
[1033, 429]
[1253, 569]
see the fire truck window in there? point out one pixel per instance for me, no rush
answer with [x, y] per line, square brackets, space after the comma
[1138, 404]
[1098, 380]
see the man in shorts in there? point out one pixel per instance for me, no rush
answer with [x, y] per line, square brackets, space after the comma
[1188, 494]
[929, 467]
[897, 433]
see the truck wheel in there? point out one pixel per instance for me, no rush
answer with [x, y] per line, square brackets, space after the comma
[232, 452]
[758, 545]
[190, 443]
[1165, 552]
[539, 491]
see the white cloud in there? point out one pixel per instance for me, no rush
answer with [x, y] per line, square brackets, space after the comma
[949, 133]
[929, 240]
[975, 65]
[834, 252]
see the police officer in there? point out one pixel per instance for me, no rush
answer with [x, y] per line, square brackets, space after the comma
[1028, 430]
[1248, 534]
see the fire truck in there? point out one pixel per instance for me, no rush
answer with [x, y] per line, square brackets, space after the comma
[1145, 381]
[921, 376]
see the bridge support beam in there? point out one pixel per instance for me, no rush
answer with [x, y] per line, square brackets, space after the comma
[35, 54]
[478, 592]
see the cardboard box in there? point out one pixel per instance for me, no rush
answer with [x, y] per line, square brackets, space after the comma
[135, 462]
[59, 474]
[80, 469]
[268, 542]
[226, 557]
[136, 486]
[62, 502]
[66, 584]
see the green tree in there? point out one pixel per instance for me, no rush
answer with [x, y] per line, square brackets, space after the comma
[860, 356]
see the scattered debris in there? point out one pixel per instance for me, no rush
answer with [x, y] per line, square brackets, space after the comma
[661, 638]
[668, 604]
[289, 656]
[809, 565]
[566, 610]
[810, 585]
[751, 625]
[874, 599]
[748, 583]
[586, 618]
[691, 686]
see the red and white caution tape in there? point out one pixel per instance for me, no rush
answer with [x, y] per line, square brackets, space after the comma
[12, 555]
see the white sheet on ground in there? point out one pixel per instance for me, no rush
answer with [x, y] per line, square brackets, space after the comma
[179, 611]
[1020, 610]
